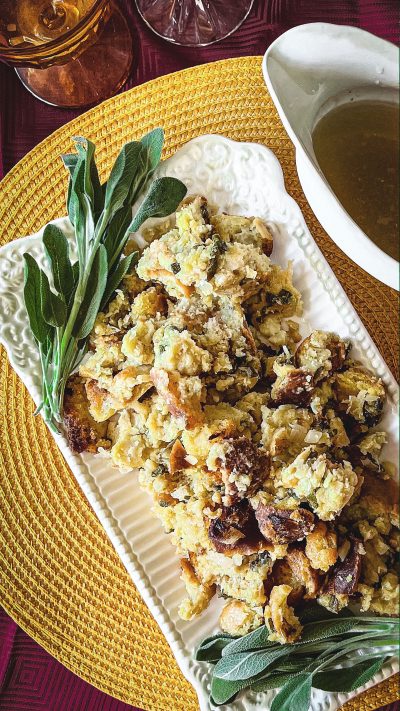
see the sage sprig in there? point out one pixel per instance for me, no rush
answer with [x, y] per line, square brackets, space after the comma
[336, 653]
[62, 311]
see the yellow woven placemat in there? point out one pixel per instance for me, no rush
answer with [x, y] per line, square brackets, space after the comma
[60, 577]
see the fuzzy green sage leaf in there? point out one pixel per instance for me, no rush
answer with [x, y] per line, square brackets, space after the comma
[295, 695]
[57, 251]
[348, 678]
[248, 664]
[40, 328]
[211, 648]
[223, 691]
[164, 193]
[258, 639]
[54, 309]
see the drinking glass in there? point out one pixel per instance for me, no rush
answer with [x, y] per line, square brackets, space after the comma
[194, 23]
[68, 53]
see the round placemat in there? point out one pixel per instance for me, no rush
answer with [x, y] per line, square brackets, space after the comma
[61, 579]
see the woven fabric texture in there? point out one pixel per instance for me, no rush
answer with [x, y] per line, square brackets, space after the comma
[60, 578]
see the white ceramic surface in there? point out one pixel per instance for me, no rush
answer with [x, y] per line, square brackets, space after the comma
[244, 179]
[309, 70]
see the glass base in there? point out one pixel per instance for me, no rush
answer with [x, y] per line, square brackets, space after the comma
[194, 23]
[96, 74]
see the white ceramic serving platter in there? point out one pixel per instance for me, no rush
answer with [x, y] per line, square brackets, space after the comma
[240, 178]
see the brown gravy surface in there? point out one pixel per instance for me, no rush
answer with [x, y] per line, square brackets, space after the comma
[357, 149]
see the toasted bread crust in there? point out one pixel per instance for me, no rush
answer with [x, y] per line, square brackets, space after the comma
[83, 432]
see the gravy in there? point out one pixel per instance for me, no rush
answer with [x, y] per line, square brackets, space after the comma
[357, 149]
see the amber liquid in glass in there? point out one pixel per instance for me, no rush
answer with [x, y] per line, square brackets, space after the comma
[35, 22]
[68, 53]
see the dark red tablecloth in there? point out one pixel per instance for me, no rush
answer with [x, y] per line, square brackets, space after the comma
[29, 677]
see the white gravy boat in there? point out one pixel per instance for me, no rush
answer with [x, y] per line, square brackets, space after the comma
[309, 70]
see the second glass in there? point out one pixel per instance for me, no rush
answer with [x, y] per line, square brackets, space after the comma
[194, 23]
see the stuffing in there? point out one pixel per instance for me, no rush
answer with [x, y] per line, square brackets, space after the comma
[246, 230]
[253, 441]
[384, 600]
[321, 547]
[378, 499]
[303, 571]
[182, 395]
[372, 443]
[292, 385]
[279, 617]
[283, 525]
[194, 257]
[275, 332]
[235, 531]
[334, 602]
[177, 350]
[284, 430]
[101, 364]
[323, 483]
[199, 595]
[137, 343]
[279, 296]
[84, 432]
[220, 420]
[243, 467]
[360, 394]
[101, 403]
[344, 576]
[321, 353]
[238, 577]
[238, 619]
[282, 574]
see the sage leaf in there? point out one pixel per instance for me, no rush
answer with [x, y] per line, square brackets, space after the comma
[223, 691]
[92, 187]
[93, 296]
[57, 251]
[117, 235]
[121, 177]
[327, 628]
[313, 612]
[210, 649]
[163, 198]
[258, 639]
[54, 309]
[76, 190]
[39, 327]
[272, 681]
[247, 664]
[293, 664]
[116, 277]
[348, 678]
[295, 695]
[75, 272]
[153, 143]
[88, 227]
[70, 160]
[86, 150]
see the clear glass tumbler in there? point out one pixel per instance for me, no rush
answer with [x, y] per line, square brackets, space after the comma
[194, 23]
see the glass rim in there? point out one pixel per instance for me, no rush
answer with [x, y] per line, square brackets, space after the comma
[59, 42]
